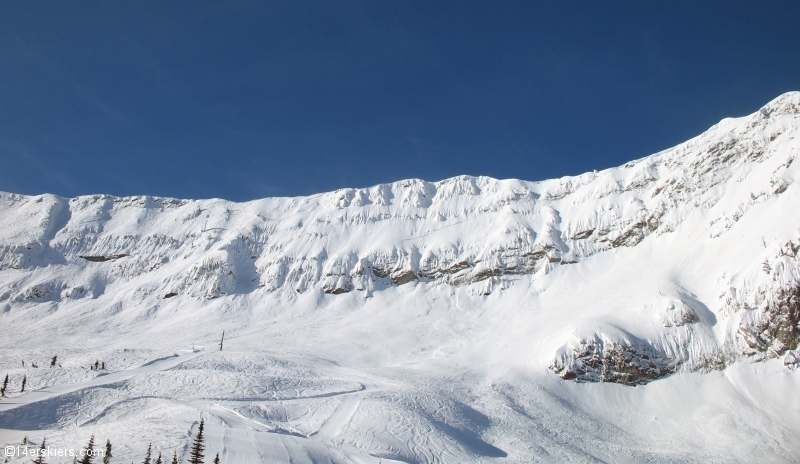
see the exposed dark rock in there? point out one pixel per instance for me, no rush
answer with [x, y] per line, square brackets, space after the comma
[776, 324]
[437, 273]
[583, 234]
[337, 284]
[101, 258]
[459, 266]
[629, 362]
[630, 237]
[335, 289]
[380, 272]
[485, 274]
[403, 277]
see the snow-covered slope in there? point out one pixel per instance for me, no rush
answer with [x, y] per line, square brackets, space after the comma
[427, 322]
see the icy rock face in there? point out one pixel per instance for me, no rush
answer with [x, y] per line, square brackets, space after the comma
[774, 326]
[478, 233]
[621, 359]
[768, 306]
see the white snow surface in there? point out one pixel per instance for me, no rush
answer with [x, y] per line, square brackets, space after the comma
[642, 313]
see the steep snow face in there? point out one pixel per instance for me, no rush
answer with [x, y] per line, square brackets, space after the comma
[686, 260]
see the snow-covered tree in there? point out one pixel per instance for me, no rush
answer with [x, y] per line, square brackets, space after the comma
[40, 457]
[198, 446]
[88, 452]
[147, 455]
[107, 456]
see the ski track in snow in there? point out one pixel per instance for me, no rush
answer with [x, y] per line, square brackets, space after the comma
[32, 397]
[339, 419]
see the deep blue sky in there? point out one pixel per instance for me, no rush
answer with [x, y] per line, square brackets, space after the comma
[243, 100]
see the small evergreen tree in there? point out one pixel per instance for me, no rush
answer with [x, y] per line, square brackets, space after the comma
[53, 361]
[196, 453]
[158, 459]
[40, 457]
[3, 388]
[175, 457]
[147, 455]
[107, 456]
[216, 459]
[88, 452]
[24, 380]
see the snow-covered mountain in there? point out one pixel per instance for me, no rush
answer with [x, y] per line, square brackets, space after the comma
[461, 320]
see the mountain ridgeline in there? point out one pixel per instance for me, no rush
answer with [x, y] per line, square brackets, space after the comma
[477, 234]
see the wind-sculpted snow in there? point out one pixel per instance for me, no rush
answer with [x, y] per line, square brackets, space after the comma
[466, 320]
